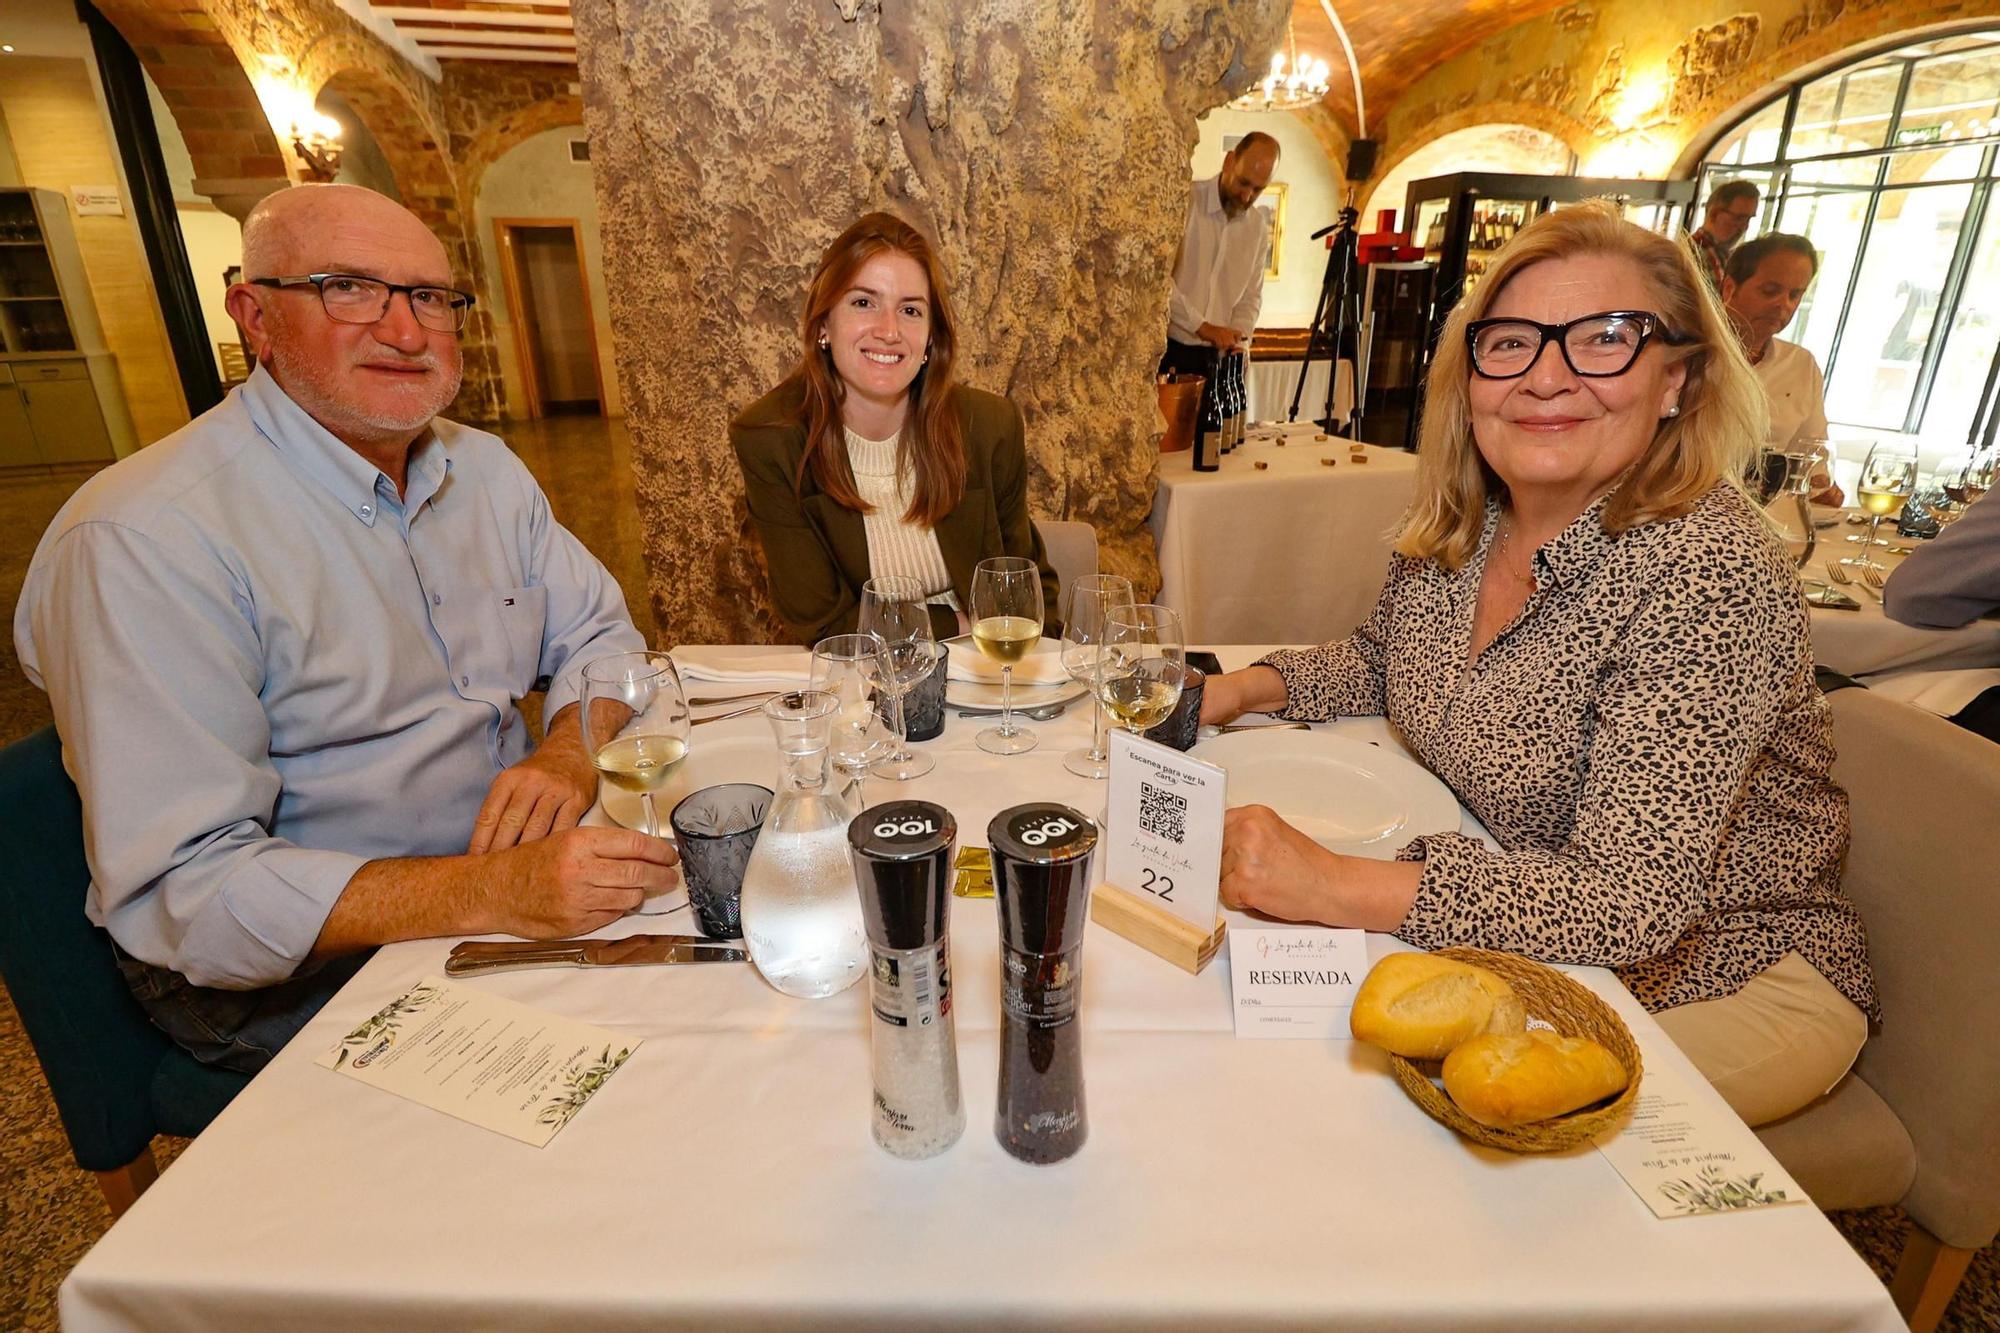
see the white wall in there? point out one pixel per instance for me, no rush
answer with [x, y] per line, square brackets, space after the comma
[536, 180]
[1312, 201]
[214, 239]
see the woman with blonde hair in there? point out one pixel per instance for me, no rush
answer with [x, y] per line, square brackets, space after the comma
[869, 459]
[1590, 634]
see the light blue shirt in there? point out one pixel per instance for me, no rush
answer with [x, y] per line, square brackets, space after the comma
[267, 668]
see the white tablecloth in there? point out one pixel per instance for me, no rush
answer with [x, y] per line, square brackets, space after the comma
[1294, 553]
[726, 1174]
[1271, 384]
[1868, 643]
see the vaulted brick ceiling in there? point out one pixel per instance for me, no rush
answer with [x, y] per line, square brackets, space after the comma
[1397, 42]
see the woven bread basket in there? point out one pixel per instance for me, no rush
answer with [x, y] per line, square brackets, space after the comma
[1573, 1012]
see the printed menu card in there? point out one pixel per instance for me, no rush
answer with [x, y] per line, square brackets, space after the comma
[489, 1061]
[1687, 1156]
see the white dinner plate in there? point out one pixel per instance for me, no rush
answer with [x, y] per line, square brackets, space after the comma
[1346, 795]
[711, 760]
[986, 694]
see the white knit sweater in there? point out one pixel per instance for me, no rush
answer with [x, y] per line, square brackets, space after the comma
[895, 546]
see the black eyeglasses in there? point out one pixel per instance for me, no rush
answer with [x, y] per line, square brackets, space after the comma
[352, 299]
[1595, 346]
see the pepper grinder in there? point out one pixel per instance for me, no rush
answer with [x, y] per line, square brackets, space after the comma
[1041, 876]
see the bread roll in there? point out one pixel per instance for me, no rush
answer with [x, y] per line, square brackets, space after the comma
[1522, 1077]
[1420, 1006]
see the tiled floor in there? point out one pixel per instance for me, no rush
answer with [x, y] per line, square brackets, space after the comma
[51, 1213]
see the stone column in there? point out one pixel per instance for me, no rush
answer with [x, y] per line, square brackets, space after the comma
[1044, 144]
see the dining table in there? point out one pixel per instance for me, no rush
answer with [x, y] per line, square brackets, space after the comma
[727, 1175]
[1865, 643]
[1287, 539]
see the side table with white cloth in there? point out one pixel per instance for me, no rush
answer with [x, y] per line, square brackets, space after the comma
[1295, 551]
[1938, 670]
[1272, 383]
[727, 1175]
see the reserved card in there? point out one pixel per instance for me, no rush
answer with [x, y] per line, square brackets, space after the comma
[1295, 981]
[1163, 828]
[1687, 1156]
[486, 1060]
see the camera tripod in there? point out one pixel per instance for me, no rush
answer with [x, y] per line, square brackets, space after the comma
[1337, 319]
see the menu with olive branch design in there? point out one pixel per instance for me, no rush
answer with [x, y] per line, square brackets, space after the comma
[480, 1058]
[1688, 1156]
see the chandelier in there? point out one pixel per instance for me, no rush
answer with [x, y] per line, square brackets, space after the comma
[1294, 81]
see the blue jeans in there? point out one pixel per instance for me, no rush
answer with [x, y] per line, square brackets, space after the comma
[235, 1029]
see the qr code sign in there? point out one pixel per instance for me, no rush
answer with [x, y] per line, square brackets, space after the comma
[1162, 813]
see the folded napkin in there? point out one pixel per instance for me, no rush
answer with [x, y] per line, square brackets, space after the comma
[716, 664]
[1042, 666]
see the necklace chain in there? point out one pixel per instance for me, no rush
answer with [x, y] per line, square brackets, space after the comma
[1504, 548]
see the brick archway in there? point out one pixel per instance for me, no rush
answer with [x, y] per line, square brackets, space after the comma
[495, 140]
[208, 89]
[413, 145]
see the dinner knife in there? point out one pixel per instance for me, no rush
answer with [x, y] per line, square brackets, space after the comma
[476, 956]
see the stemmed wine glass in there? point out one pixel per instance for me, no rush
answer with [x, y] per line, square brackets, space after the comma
[635, 723]
[1006, 623]
[1086, 604]
[1888, 478]
[893, 609]
[1144, 666]
[850, 668]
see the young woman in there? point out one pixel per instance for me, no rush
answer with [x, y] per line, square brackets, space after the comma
[868, 460]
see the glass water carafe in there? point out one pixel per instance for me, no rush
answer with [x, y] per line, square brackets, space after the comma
[801, 913]
[1790, 509]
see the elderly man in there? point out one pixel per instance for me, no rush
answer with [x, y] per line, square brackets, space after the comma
[1219, 276]
[284, 644]
[1731, 210]
[1761, 289]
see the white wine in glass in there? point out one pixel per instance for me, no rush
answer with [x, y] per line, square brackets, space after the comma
[1888, 479]
[634, 719]
[1145, 665]
[1006, 623]
[1006, 638]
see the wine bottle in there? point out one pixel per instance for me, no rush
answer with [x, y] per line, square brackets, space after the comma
[1208, 431]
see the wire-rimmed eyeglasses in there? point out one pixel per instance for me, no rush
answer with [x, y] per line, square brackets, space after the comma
[1594, 346]
[352, 299]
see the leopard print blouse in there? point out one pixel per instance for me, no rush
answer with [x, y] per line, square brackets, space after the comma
[1644, 741]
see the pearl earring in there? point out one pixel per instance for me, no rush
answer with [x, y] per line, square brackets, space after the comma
[822, 342]
[1674, 411]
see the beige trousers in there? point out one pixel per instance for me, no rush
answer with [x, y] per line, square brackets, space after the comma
[1783, 1040]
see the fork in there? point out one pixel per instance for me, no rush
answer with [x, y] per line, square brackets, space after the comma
[1838, 573]
[1873, 578]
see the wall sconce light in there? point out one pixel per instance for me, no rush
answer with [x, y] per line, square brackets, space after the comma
[316, 140]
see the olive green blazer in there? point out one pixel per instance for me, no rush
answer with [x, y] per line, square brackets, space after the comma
[816, 550]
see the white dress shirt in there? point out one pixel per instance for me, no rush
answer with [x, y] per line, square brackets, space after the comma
[1797, 393]
[1220, 276]
[268, 668]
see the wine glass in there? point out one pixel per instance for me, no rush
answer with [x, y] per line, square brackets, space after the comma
[893, 609]
[849, 667]
[635, 723]
[1006, 623]
[1952, 476]
[1086, 603]
[1144, 665]
[1888, 477]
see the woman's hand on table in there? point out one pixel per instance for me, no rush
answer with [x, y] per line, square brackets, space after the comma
[1254, 689]
[1270, 867]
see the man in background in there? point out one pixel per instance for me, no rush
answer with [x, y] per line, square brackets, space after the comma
[1731, 210]
[1219, 275]
[1762, 286]
[283, 648]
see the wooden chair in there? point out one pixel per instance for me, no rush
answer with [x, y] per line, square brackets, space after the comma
[1914, 1123]
[117, 1079]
